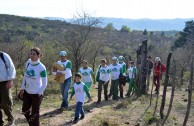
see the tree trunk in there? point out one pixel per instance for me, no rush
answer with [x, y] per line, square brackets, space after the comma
[172, 94]
[190, 86]
[143, 66]
[165, 86]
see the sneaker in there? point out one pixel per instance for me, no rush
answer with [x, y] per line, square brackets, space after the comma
[75, 121]
[98, 102]
[61, 109]
[82, 117]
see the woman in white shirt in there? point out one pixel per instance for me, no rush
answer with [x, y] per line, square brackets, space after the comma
[33, 87]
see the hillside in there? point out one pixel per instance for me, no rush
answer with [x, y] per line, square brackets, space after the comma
[50, 33]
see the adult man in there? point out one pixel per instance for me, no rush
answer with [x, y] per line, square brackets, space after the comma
[68, 78]
[115, 70]
[7, 75]
[149, 67]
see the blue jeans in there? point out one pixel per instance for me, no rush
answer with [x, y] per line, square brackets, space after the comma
[64, 90]
[79, 110]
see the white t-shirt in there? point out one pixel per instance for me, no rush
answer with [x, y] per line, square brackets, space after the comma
[86, 74]
[104, 73]
[115, 71]
[131, 72]
[80, 91]
[67, 64]
[35, 79]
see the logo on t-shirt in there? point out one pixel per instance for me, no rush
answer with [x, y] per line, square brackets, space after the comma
[114, 70]
[78, 90]
[30, 72]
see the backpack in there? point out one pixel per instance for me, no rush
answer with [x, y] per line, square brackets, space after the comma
[2, 57]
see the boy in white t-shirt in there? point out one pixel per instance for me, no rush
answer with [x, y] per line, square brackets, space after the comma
[79, 89]
[103, 77]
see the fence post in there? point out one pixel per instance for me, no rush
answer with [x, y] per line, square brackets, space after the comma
[165, 86]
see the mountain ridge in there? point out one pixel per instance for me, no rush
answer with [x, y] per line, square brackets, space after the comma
[176, 24]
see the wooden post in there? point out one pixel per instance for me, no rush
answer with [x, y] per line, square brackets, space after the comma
[172, 93]
[165, 86]
[143, 67]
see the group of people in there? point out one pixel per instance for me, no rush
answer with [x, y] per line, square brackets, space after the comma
[35, 82]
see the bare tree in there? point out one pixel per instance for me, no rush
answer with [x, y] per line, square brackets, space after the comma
[78, 37]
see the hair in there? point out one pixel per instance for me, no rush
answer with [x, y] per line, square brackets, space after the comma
[84, 61]
[131, 62]
[103, 61]
[37, 50]
[78, 75]
[149, 57]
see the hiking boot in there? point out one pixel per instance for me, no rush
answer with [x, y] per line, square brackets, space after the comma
[82, 117]
[75, 121]
[98, 102]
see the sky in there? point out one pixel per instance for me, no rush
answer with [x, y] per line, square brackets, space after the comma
[132, 9]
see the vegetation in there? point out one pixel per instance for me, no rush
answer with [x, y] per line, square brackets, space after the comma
[82, 39]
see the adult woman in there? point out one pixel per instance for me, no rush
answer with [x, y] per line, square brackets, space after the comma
[33, 86]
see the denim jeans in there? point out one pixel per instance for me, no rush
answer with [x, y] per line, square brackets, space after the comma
[79, 110]
[64, 90]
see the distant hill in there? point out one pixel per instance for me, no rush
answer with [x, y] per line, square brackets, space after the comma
[141, 24]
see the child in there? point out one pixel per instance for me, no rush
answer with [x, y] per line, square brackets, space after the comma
[131, 72]
[86, 73]
[79, 89]
[103, 80]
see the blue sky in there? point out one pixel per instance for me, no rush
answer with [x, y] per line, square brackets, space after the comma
[135, 9]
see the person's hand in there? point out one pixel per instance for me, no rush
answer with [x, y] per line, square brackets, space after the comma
[54, 70]
[21, 94]
[58, 73]
[9, 84]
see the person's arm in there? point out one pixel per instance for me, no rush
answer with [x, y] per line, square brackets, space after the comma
[69, 65]
[124, 68]
[121, 70]
[10, 66]
[87, 91]
[72, 92]
[163, 68]
[43, 75]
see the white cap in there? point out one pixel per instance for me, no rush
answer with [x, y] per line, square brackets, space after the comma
[121, 57]
[63, 53]
[114, 58]
[157, 59]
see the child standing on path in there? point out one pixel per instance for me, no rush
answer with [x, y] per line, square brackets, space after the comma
[103, 79]
[79, 89]
[86, 73]
[131, 72]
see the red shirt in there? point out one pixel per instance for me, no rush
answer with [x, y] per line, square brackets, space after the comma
[159, 69]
